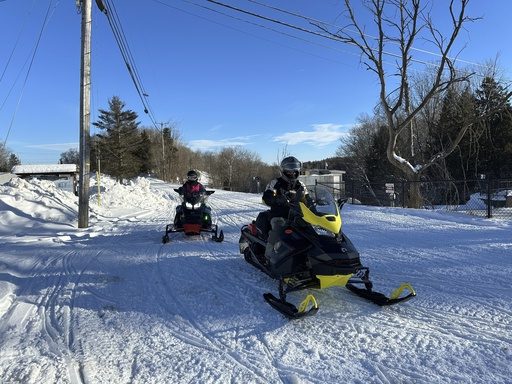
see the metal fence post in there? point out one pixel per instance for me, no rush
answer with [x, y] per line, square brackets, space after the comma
[403, 193]
[489, 209]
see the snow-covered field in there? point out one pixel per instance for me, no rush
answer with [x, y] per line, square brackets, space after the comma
[112, 304]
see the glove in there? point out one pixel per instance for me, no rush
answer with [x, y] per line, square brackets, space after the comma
[280, 200]
[291, 194]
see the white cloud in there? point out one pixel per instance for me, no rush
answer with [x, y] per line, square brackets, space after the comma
[320, 136]
[205, 144]
[54, 147]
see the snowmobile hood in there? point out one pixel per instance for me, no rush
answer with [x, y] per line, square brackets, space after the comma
[324, 212]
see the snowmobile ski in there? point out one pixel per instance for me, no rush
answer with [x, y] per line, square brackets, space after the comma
[217, 236]
[308, 306]
[381, 299]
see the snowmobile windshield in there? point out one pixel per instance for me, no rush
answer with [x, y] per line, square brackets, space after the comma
[324, 211]
[324, 203]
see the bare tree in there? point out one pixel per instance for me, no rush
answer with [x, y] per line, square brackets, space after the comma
[399, 25]
[71, 156]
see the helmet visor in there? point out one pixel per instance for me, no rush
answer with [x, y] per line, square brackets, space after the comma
[192, 177]
[291, 173]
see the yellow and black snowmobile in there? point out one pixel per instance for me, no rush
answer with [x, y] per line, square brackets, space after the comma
[309, 250]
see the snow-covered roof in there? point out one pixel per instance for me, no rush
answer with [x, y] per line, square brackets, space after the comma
[44, 168]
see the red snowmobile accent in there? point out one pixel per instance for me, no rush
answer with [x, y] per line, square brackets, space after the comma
[253, 229]
[191, 229]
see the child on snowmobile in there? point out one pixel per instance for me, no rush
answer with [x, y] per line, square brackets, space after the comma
[191, 189]
[278, 192]
[192, 186]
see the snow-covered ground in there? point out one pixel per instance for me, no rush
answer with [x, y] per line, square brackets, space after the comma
[112, 304]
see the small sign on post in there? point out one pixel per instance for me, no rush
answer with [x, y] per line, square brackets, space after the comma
[390, 190]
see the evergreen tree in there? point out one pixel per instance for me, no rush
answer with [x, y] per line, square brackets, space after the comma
[121, 142]
[143, 153]
[13, 160]
[496, 141]
[378, 169]
[458, 110]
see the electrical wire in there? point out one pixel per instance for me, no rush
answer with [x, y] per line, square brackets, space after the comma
[318, 34]
[309, 19]
[115, 25]
[49, 13]
[259, 26]
[15, 45]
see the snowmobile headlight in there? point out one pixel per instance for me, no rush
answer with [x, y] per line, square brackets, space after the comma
[322, 232]
[189, 206]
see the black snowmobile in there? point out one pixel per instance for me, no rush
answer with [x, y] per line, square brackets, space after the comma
[193, 217]
[309, 250]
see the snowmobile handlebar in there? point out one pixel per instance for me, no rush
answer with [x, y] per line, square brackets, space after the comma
[180, 192]
[341, 202]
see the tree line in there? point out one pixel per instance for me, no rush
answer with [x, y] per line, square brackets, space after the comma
[124, 149]
[484, 151]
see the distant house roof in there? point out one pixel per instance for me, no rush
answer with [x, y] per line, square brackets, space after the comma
[317, 171]
[43, 169]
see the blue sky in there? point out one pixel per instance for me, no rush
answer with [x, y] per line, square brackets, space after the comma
[219, 80]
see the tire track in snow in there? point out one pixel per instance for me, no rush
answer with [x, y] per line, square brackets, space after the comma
[198, 334]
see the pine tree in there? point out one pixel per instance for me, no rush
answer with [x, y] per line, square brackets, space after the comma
[496, 141]
[144, 153]
[121, 141]
[458, 110]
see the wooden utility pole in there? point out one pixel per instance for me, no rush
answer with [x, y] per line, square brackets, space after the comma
[85, 115]
[163, 151]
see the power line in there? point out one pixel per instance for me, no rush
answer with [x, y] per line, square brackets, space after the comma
[257, 25]
[45, 23]
[109, 10]
[310, 19]
[327, 36]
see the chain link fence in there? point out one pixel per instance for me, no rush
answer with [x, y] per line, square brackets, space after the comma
[485, 198]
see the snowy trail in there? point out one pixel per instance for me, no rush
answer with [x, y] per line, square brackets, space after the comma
[114, 304]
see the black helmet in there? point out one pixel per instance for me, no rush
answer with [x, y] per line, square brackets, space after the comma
[290, 168]
[192, 175]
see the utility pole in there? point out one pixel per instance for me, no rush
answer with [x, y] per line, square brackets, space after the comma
[163, 151]
[85, 115]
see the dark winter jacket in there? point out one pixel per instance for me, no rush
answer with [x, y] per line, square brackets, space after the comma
[191, 188]
[275, 195]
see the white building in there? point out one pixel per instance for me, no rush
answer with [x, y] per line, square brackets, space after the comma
[329, 177]
[63, 175]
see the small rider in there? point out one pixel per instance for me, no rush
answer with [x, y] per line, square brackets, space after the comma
[278, 192]
[192, 186]
[190, 190]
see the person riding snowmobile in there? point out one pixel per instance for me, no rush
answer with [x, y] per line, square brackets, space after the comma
[278, 192]
[192, 185]
[189, 190]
